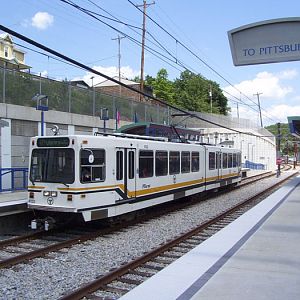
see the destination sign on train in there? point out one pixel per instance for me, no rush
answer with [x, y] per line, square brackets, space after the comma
[270, 41]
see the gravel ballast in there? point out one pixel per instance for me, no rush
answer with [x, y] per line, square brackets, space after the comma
[58, 273]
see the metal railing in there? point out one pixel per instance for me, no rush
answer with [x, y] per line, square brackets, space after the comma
[13, 179]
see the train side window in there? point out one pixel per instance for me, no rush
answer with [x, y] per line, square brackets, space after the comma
[230, 160]
[92, 165]
[219, 160]
[119, 160]
[225, 160]
[212, 160]
[234, 160]
[185, 162]
[145, 163]
[195, 162]
[161, 163]
[131, 163]
[174, 162]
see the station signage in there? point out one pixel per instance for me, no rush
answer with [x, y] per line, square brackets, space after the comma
[270, 41]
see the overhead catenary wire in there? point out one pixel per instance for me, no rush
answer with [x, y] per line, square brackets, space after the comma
[81, 65]
[151, 50]
[174, 57]
[193, 53]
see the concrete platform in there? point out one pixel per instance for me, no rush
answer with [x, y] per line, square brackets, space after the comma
[13, 202]
[255, 257]
[14, 214]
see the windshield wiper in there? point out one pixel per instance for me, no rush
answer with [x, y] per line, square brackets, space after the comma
[64, 184]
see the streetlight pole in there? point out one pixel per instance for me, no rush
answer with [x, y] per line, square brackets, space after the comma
[42, 107]
[278, 160]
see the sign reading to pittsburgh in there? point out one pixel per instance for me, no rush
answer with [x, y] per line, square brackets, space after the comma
[265, 42]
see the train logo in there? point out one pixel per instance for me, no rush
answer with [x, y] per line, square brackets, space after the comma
[50, 200]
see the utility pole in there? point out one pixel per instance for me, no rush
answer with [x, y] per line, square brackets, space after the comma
[257, 94]
[237, 110]
[144, 5]
[119, 38]
[210, 96]
[237, 106]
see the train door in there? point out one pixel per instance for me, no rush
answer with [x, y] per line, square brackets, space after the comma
[219, 164]
[125, 171]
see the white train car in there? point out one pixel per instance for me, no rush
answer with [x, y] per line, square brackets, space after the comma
[109, 175]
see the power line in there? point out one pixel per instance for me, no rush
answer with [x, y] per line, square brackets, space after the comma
[81, 65]
[193, 53]
[152, 51]
[91, 14]
[133, 40]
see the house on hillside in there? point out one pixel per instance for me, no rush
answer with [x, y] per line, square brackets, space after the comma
[79, 83]
[112, 88]
[11, 57]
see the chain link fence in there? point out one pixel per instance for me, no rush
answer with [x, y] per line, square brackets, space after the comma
[19, 88]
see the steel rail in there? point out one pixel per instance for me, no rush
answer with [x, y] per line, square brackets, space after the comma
[82, 238]
[101, 282]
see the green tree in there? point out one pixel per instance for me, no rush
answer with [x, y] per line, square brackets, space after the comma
[193, 93]
[163, 87]
[286, 139]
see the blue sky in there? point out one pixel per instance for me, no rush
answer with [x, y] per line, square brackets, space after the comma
[200, 25]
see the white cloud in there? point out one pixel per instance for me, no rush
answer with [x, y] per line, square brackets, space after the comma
[282, 111]
[288, 74]
[42, 20]
[266, 83]
[278, 99]
[270, 115]
[126, 72]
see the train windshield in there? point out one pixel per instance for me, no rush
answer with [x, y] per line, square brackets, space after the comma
[52, 165]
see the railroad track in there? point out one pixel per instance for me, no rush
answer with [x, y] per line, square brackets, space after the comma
[21, 249]
[24, 248]
[256, 177]
[119, 281]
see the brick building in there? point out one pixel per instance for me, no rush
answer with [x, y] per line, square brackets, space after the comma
[112, 88]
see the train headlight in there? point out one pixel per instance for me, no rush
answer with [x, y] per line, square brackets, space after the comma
[53, 194]
[46, 193]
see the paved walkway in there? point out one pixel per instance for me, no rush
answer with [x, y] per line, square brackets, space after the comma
[12, 196]
[254, 257]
